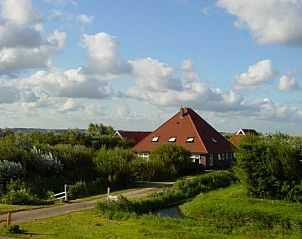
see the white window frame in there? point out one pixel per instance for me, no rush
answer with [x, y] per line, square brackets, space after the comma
[155, 139]
[194, 157]
[143, 155]
[172, 139]
[190, 140]
[214, 140]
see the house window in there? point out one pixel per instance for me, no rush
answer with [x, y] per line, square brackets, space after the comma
[223, 156]
[214, 140]
[211, 160]
[155, 139]
[219, 156]
[195, 158]
[190, 140]
[172, 139]
[143, 155]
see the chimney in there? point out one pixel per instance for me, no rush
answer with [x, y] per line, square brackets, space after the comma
[181, 112]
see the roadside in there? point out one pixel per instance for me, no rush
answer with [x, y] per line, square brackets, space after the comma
[25, 216]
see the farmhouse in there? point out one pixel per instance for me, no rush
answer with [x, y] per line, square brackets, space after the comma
[188, 129]
[134, 136]
[241, 134]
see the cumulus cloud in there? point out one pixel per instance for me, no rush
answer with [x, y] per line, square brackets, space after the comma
[286, 84]
[270, 110]
[261, 72]
[103, 57]
[159, 85]
[270, 21]
[68, 105]
[85, 19]
[19, 12]
[22, 45]
[71, 83]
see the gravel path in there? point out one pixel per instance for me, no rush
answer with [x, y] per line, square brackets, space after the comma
[25, 216]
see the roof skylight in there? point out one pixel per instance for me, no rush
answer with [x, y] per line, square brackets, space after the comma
[172, 139]
[155, 139]
[190, 140]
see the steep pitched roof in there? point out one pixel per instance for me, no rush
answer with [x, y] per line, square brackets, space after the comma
[182, 126]
[239, 136]
[135, 136]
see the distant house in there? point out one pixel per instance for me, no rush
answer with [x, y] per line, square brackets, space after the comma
[134, 136]
[241, 134]
[188, 129]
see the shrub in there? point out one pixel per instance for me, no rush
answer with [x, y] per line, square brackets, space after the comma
[10, 171]
[175, 159]
[14, 229]
[77, 190]
[271, 167]
[114, 165]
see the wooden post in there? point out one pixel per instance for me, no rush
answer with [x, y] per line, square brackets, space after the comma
[8, 218]
[65, 190]
[108, 193]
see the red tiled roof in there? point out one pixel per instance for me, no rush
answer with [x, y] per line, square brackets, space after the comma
[238, 137]
[135, 136]
[189, 124]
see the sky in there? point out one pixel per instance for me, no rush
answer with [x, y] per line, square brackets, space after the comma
[132, 64]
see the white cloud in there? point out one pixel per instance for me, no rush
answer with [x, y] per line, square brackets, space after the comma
[71, 83]
[22, 45]
[85, 19]
[159, 85]
[68, 105]
[270, 21]
[286, 84]
[19, 12]
[103, 58]
[8, 95]
[261, 72]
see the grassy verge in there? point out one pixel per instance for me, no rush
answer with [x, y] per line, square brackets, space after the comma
[231, 209]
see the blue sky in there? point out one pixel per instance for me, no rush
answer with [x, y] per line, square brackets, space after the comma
[132, 64]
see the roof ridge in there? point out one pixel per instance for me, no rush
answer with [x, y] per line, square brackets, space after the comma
[198, 134]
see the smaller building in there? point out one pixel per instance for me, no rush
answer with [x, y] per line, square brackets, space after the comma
[241, 134]
[133, 136]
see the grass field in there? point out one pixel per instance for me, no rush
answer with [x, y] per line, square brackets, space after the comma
[224, 213]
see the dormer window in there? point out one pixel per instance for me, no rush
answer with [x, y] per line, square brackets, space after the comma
[214, 140]
[190, 140]
[172, 139]
[155, 139]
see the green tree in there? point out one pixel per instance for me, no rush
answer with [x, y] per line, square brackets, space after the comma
[175, 158]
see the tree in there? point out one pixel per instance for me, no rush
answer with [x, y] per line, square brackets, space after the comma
[175, 158]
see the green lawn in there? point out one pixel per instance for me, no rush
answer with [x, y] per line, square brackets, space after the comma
[224, 213]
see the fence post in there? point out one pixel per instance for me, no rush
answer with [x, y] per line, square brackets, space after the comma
[108, 193]
[65, 189]
[8, 218]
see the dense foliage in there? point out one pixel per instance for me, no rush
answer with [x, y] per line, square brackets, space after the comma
[271, 167]
[174, 159]
[88, 161]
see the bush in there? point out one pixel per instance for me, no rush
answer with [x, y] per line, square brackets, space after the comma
[271, 167]
[175, 159]
[114, 165]
[14, 229]
[77, 190]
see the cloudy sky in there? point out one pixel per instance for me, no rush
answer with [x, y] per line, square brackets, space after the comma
[132, 64]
